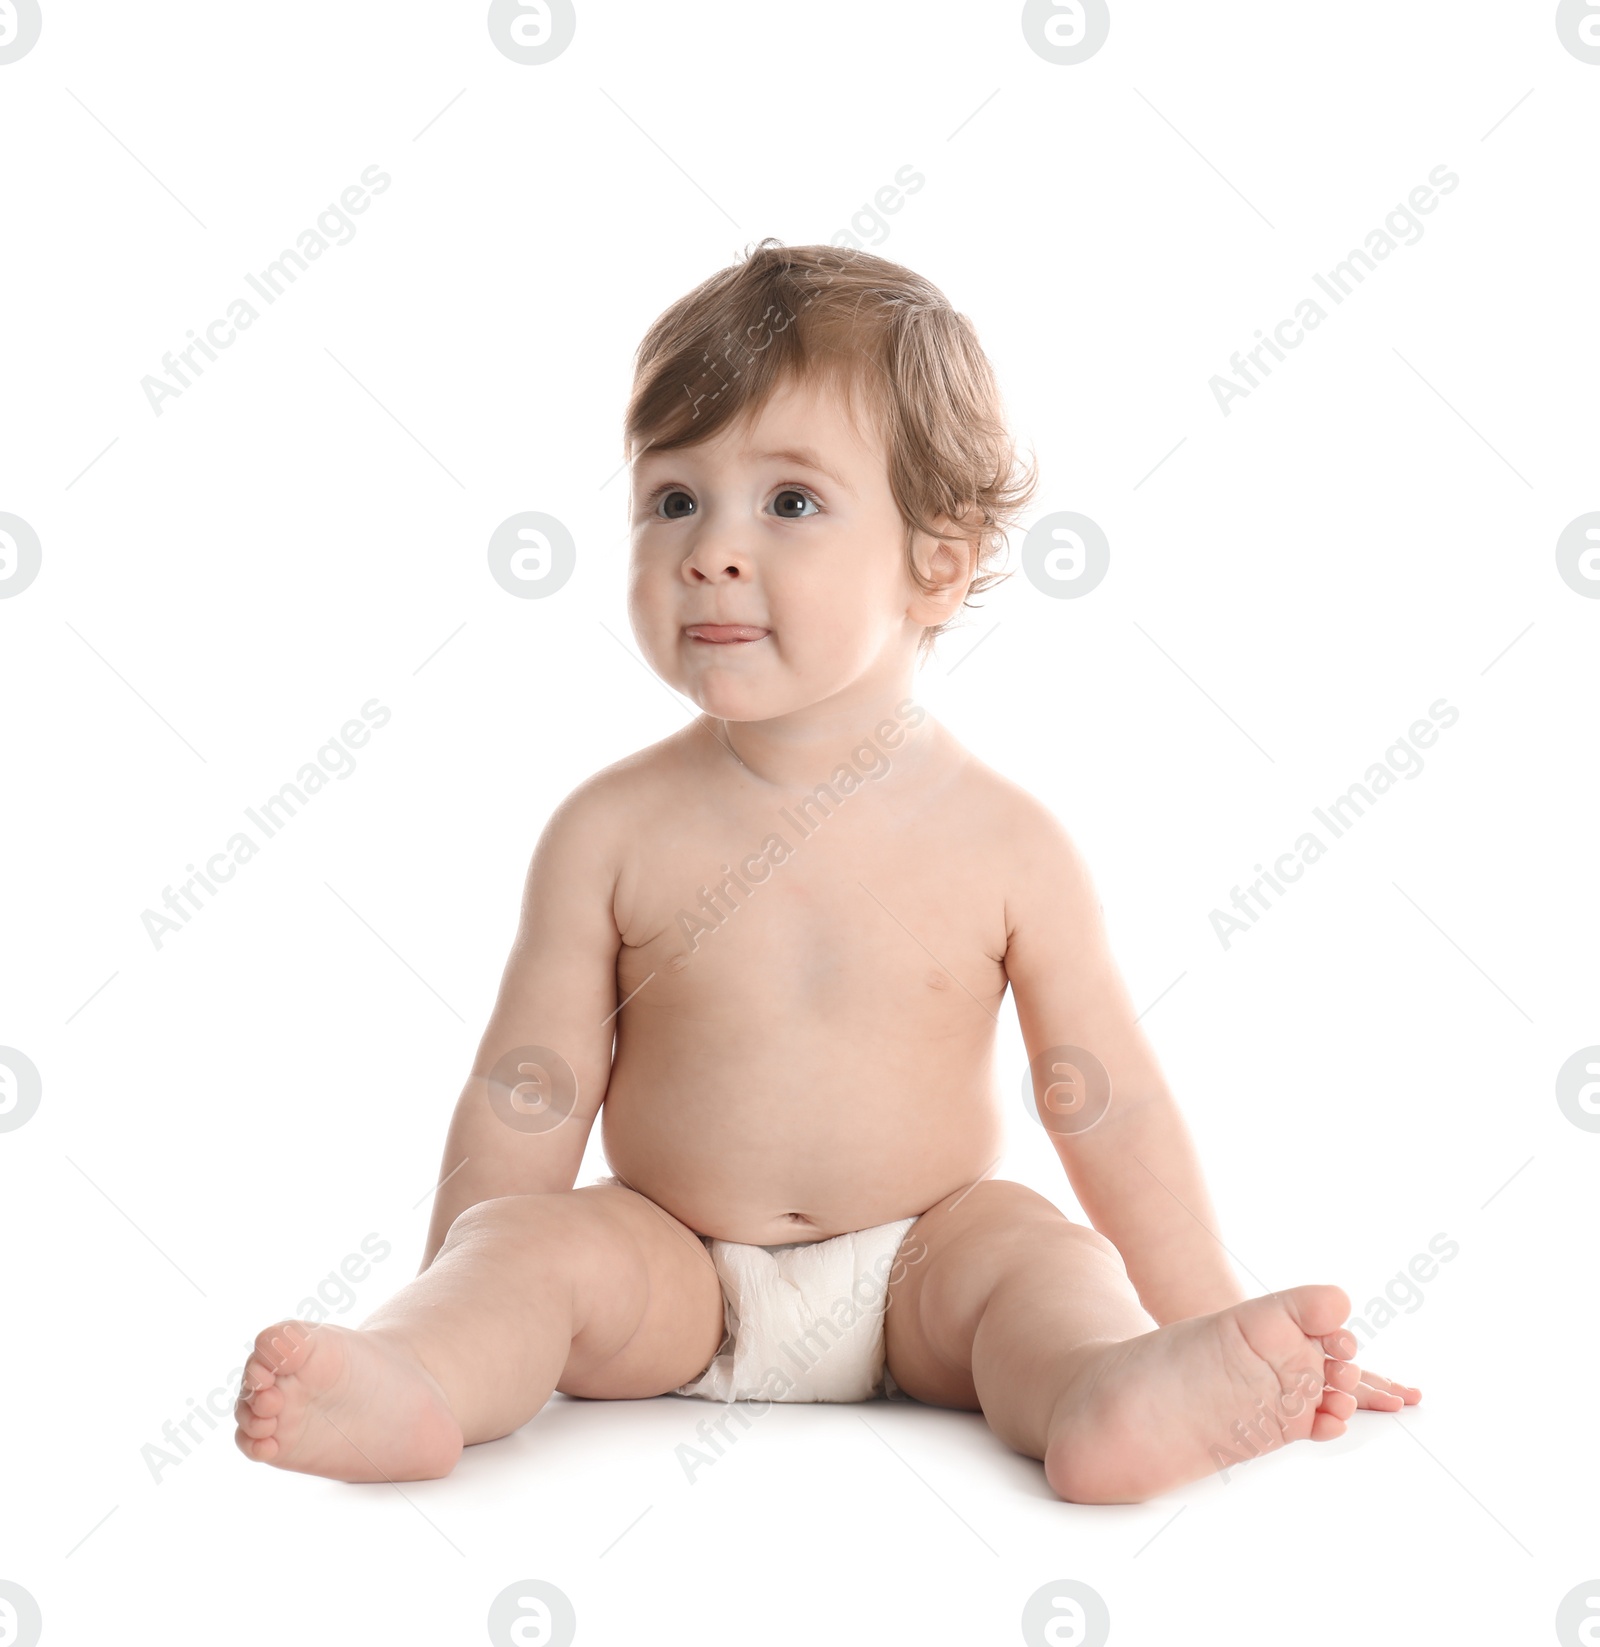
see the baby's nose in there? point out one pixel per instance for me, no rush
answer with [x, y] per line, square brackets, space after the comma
[710, 563]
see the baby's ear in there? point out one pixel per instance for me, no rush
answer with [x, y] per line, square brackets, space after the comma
[947, 563]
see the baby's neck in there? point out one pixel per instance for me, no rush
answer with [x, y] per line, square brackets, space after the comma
[805, 749]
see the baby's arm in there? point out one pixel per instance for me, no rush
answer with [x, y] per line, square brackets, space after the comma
[1135, 1171]
[559, 990]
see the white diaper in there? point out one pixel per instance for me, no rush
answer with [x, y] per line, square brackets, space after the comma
[804, 1320]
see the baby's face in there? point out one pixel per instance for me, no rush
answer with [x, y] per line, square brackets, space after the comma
[768, 568]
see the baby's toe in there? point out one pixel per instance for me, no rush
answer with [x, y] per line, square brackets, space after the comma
[257, 1451]
[267, 1403]
[1341, 1375]
[1337, 1404]
[1318, 1310]
[280, 1348]
[1325, 1427]
[258, 1429]
[257, 1376]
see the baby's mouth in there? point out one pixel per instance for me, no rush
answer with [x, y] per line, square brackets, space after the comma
[726, 634]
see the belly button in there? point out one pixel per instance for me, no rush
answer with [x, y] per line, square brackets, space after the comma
[677, 963]
[937, 980]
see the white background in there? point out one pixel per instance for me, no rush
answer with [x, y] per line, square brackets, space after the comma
[304, 529]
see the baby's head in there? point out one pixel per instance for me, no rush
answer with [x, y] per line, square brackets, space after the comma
[821, 472]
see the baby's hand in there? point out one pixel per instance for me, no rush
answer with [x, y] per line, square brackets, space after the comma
[1383, 1393]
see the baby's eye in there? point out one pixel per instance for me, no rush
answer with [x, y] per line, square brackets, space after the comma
[785, 500]
[666, 505]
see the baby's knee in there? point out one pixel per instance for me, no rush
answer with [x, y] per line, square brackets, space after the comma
[1049, 1242]
[513, 1216]
[1014, 1213]
[1088, 1239]
[564, 1237]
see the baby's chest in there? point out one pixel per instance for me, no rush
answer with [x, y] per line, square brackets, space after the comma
[788, 914]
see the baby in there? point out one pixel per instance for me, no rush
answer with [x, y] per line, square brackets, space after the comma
[770, 952]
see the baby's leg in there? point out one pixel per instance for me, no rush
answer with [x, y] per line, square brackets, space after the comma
[594, 1291]
[1004, 1304]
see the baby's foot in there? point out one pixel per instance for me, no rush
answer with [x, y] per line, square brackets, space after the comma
[351, 1405]
[1150, 1413]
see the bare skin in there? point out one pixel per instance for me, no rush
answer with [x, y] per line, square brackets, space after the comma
[803, 1046]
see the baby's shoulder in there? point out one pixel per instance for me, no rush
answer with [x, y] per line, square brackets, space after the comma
[613, 799]
[1009, 816]
[1043, 879]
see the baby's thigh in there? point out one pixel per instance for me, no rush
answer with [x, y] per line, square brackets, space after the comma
[647, 1304]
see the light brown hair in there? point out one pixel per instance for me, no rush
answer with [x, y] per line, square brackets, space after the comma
[808, 314]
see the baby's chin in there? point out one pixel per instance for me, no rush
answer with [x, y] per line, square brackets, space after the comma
[723, 694]
[740, 701]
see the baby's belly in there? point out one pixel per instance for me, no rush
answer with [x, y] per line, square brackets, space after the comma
[752, 1141]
